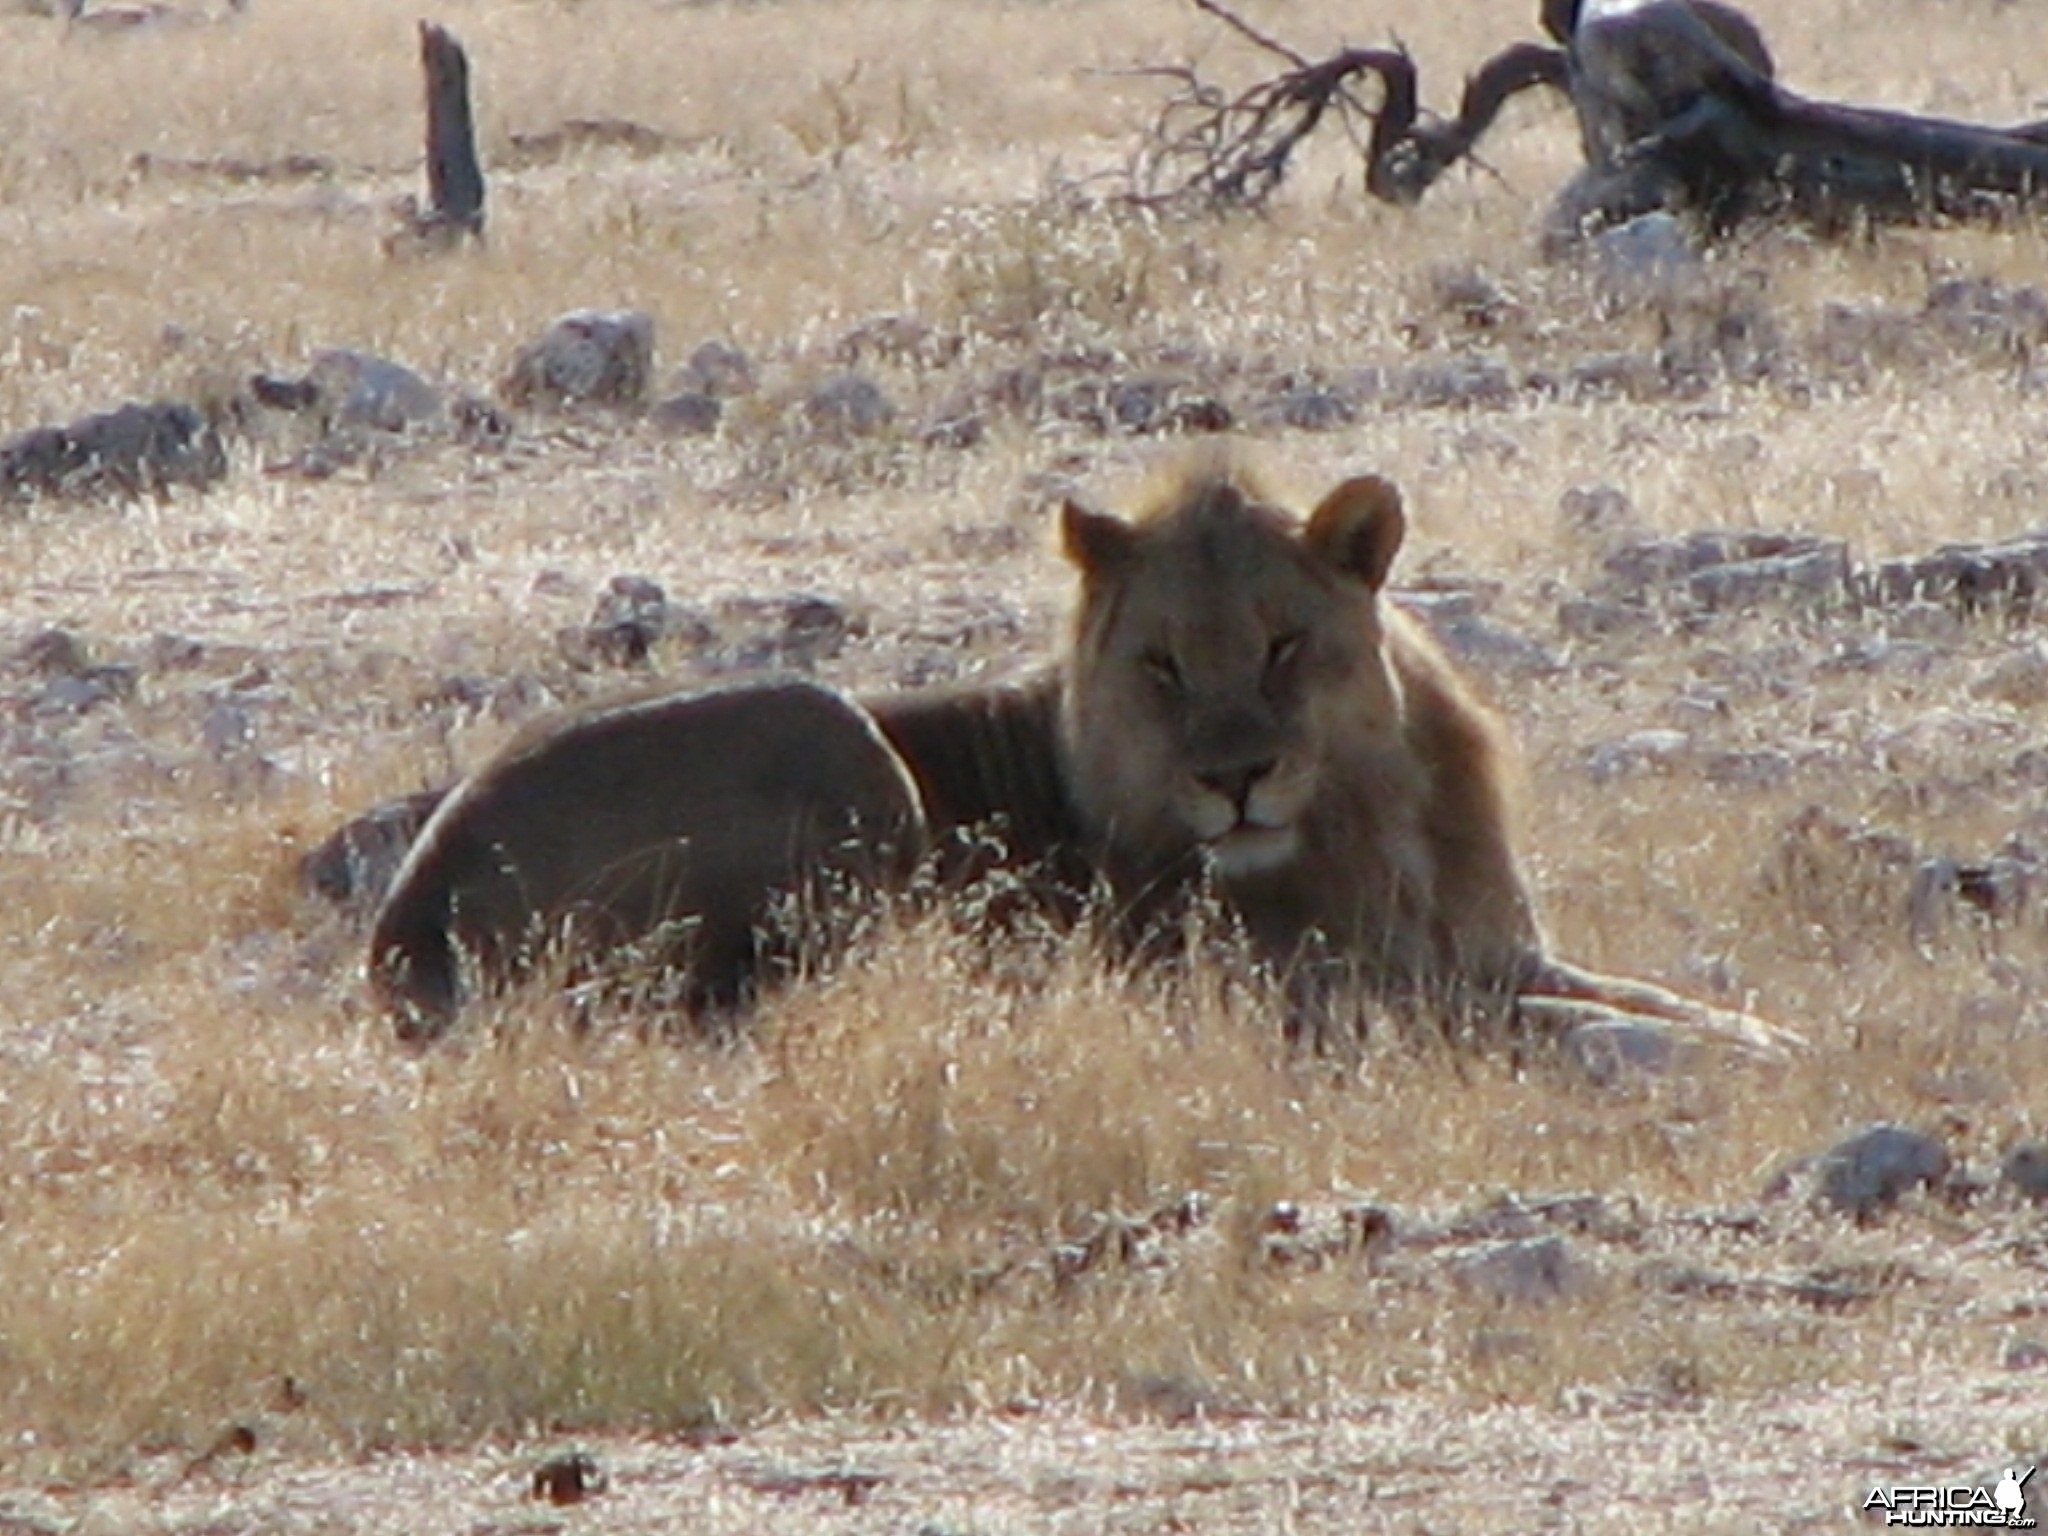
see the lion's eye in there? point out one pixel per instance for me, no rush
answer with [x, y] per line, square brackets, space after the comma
[1282, 653]
[1162, 669]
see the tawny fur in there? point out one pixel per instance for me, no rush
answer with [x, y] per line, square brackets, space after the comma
[1239, 712]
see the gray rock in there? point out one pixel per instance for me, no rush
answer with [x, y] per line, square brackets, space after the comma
[1766, 768]
[1591, 618]
[1613, 1051]
[1495, 648]
[1599, 515]
[693, 413]
[77, 693]
[354, 389]
[588, 357]
[1146, 404]
[1313, 410]
[2001, 578]
[956, 432]
[1985, 312]
[1817, 577]
[228, 730]
[1637, 752]
[1650, 257]
[1665, 562]
[2025, 1355]
[796, 630]
[718, 369]
[848, 405]
[133, 451]
[1532, 1272]
[1868, 1174]
[632, 614]
[2025, 1169]
[54, 653]
[354, 866]
[1447, 386]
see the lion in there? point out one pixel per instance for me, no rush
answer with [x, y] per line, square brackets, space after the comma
[1239, 712]
[672, 826]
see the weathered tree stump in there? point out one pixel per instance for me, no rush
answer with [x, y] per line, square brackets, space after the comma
[454, 211]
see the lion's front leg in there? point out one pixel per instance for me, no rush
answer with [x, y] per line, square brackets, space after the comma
[1554, 996]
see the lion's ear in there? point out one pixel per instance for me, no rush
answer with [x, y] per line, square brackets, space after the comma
[1095, 541]
[1358, 528]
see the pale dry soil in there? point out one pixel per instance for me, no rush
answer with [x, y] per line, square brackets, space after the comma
[955, 1241]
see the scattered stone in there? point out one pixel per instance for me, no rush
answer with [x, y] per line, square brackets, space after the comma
[1984, 312]
[1637, 752]
[1493, 648]
[1869, 1173]
[228, 730]
[1969, 579]
[693, 413]
[633, 613]
[1456, 385]
[588, 357]
[1593, 618]
[1600, 516]
[718, 369]
[356, 864]
[1765, 768]
[956, 433]
[852, 1486]
[77, 693]
[1473, 296]
[848, 405]
[1531, 1272]
[1610, 1052]
[1998, 888]
[355, 389]
[796, 631]
[478, 423]
[568, 1479]
[1651, 563]
[2026, 1169]
[1313, 410]
[1817, 577]
[1141, 406]
[132, 451]
[2025, 1355]
[1650, 257]
[1628, 375]
[54, 653]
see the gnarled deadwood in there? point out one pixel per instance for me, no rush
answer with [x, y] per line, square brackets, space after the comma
[1679, 110]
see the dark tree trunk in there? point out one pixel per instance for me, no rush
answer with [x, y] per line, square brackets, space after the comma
[455, 179]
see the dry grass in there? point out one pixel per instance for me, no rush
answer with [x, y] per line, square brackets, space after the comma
[923, 1193]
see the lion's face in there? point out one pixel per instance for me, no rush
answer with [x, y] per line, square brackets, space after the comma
[1225, 655]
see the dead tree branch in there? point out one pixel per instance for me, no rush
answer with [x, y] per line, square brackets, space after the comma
[1679, 110]
[1212, 149]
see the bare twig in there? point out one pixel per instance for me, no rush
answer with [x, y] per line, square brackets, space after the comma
[1212, 149]
[1252, 34]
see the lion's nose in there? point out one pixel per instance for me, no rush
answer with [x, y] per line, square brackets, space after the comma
[1236, 783]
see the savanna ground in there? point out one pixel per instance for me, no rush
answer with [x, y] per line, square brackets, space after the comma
[954, 1245]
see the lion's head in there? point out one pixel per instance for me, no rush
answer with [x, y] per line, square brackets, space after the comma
[1225, 655]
